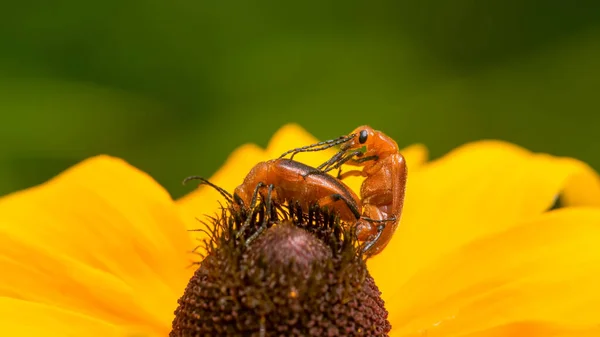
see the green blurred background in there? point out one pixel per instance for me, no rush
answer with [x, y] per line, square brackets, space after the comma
[174, 87]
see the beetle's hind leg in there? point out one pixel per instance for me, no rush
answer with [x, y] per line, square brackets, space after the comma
[330, 199]
[390, 219]
[371, 243]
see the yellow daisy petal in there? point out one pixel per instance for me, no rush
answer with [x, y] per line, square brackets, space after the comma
[96, 240]
[23, 318]
[291, 136]
[540, 276]
[535, 329]
[582, 188]
[416, 156]
[476, 190]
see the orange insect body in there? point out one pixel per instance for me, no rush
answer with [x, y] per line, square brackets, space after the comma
[382, 192]
[296, 182]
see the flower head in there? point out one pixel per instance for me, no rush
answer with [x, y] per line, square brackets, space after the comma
[302, 277]
[102, 250]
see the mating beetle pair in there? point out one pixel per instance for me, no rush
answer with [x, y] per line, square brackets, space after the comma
[377, 211]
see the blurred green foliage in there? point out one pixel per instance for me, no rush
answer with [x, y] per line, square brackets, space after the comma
[174, 87]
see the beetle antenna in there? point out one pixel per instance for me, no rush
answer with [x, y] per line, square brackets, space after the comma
[203, 181]
[319, 146]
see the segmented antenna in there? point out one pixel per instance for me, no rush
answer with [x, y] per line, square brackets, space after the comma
[319, 146]
[203, 181]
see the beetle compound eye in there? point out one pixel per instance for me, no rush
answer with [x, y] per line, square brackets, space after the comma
[362, 137]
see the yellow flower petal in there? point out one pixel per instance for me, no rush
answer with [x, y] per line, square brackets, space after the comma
[535, 329]
[97, 240]
[291, 136]
[540, 276]
[476, 190]
[416, 156]
[22, 318]
[581, 188]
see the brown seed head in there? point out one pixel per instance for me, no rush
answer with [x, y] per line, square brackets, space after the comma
[302, 276]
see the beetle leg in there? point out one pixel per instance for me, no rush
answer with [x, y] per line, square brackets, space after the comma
[338, 160]
[330, 199]
[326, 166]
[364, 159]
[250, 210]
[331, 161]
[266, 218]
[334, 162]
[353, 173]
[390, 219]
[371, 243]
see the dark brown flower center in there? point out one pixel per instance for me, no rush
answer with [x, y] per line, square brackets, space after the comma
[303, 276]
[287, 244]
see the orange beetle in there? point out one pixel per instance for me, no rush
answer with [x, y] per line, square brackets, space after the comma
[382, 192]
[286, 180]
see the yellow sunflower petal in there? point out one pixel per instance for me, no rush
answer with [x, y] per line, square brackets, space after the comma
[582, 188]
[289, 136]
[535, 329]
[416, 155]
[541, 276]
[102, 239]
[23, 318]
[476, 190]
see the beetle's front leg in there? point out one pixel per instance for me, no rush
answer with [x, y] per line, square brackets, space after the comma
[353, 173]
